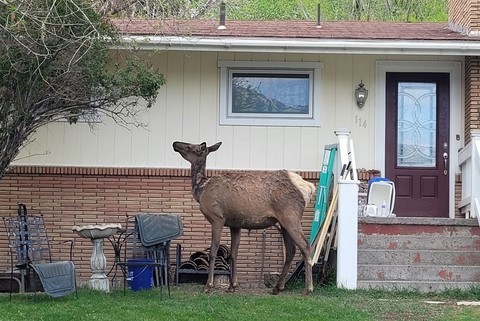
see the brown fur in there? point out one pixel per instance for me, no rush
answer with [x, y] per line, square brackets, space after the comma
[250, 201]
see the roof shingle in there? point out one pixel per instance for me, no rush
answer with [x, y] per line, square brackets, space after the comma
[368, 30]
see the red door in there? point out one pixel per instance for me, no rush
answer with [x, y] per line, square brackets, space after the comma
[417, 142]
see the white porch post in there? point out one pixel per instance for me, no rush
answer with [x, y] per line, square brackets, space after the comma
[343, 145]
[347, 231]
[347, 234]
[469, 162]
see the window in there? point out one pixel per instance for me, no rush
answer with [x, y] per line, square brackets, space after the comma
[269, 93]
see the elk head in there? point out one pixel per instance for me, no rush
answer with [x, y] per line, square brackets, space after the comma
[194, 152]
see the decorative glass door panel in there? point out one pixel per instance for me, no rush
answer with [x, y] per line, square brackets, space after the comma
[416, 124]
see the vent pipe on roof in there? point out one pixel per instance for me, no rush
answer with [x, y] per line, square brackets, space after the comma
[222, 16]
[318, 16]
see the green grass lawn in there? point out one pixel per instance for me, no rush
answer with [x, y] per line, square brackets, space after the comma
[187, 302]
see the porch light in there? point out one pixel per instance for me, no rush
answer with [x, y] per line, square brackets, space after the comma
[361, 94]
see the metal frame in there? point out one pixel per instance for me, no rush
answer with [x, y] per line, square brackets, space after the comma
[29, 247]
[130, 245]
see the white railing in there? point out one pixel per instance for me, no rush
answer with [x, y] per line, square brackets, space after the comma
[469, 161]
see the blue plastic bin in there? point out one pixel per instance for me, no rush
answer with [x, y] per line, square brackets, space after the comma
[140, 277]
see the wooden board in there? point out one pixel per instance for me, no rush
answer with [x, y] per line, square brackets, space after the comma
[320, 240]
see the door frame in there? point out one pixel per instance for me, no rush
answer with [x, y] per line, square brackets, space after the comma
[454, 68]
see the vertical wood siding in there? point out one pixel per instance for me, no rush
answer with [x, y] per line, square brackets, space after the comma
[187, 109]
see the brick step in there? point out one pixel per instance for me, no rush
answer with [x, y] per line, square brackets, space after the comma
[433, 227]
[418, 257]
[416, 242]
[416, 285]
[418, 254]
[421, 273]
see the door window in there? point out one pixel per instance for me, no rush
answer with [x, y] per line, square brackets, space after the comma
[416, 124]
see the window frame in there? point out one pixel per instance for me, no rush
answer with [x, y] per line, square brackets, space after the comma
[228, 68]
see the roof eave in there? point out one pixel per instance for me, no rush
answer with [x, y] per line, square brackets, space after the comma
[302, 45]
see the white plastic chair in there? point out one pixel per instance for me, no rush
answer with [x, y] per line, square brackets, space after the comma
[382, 191]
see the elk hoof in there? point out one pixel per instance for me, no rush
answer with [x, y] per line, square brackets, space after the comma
[207, 288]
[276, 290]
[307, 291]
[233, 286]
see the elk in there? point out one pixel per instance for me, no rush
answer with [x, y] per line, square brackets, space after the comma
[250, 201]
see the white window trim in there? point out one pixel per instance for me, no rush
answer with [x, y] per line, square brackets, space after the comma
[228, 67]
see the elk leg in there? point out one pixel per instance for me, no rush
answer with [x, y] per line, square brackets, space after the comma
[216, 235]
[235, 242]
[304, 247]
[294, 229]
[289, 254]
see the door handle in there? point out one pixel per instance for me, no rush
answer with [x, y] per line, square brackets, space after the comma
[445, 163]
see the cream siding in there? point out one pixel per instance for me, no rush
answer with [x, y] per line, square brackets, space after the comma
[157, 119]
[175, 108]
[71, 142]
[187, 109]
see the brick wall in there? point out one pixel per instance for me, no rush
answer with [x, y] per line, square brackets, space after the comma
[472, 95]
[68, 196]
[464, 16]
[78, 196]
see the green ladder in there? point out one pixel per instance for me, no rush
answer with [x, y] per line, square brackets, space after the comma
[323, 191]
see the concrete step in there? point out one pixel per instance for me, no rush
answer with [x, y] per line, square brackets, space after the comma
[418, 257]
[418, 242]
[412, 226]
[397, 285]
[437, 273]
[418, 254]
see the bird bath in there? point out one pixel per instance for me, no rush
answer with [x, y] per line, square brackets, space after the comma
[98, 262]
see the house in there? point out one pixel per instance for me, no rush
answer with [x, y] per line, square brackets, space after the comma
[275, 92]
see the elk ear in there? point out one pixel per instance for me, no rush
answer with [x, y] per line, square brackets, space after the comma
[214, 147]
[203, 146]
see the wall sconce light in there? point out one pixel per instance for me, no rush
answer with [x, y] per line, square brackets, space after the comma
[361, 94]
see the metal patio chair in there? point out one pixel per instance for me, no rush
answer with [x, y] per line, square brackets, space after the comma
[146, 250]
[31, 257]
